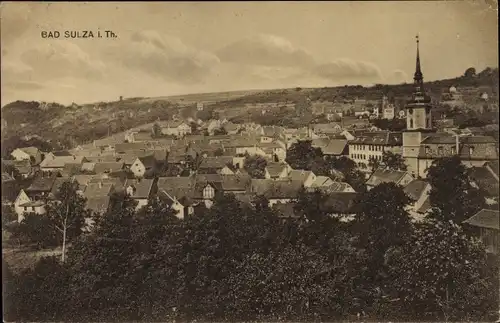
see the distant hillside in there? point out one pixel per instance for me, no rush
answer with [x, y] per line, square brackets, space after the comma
[81, 124]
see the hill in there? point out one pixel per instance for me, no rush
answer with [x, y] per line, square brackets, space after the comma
[68, 126]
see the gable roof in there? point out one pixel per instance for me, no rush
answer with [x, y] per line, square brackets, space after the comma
[70, 168]
[99, 189]
[275, 169]
[216, 162]
[142, 188]
[335, 147]
[299, 175]
[58, 184]
[485, 180]
[41, 184]
[109, 167]
[385, 176]
[148, 161]
[341, 202]
[322, 181]
[485, 219]
[130, 146]
[383, 138]
[60, 161]
[236, 182]
[98, 204]
[334, 187]
[415, 189]
[494, 166]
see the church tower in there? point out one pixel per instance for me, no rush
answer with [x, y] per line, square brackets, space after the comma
[418, 119]
[418, 110]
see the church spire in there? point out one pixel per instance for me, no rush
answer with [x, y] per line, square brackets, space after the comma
[418, 76]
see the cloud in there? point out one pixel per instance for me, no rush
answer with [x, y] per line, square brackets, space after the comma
[398, 77]
[267, 50]
[348, 69]
[165, 57]
[61, 59]
[15, 21]
[22, 85]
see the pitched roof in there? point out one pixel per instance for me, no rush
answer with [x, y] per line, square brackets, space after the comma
[7, 178]
[148, 161]
[142, 188]
[322, 181]
[484, 180]
[60, 161]
[102, 159]
[275, 169]
[285, 210]
[171, 183]
[70, 168]
[41, 184]
[22, 166]
[57, 185]
[383, 138]
[415, 189]
[385, 176]
[98, 204]
[32, 151]
[272, 131]
[276, 189]
[485, 219]
[110, 167]
[494, 166]
[216, 162]
[88, 167]
[99, 189]
[299, 175]
[235, 182]
[335, 147]
[130, 146]
[208, 178]
[83, 179]
[335, 187]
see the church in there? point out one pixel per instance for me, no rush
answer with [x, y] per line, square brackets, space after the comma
[422, 144]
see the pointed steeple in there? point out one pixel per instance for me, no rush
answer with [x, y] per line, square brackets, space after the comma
[418, 76]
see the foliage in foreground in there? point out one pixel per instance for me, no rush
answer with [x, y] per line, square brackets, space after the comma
[236, 262]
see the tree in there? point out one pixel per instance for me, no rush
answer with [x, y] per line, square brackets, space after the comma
[255, 166]
[301, 155]
[68, 213]
[440, 273]
[470, 72]
[382, 221]
[451, 195]
[156, 130]
[220, 131]
[373, 163]
[393, 161]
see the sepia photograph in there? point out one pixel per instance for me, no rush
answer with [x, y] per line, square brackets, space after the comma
[275, 161]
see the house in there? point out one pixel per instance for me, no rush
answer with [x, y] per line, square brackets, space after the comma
[140, 190]
[286, 211]
[327, 128]
[70, 169]
[102, 159]
[143, 166]
[178, 193]
[98, 204]
[205, 191]
[216, 165]
[274, 151]
[24, 204]
[236, 184]
[53, 163]
[306, 177]
[176, 128]
[27, 153]
[332, 187]
[336, 147]
[388, 176]
[341, 205]
[322, 181]
[124, 148]
[213, 125]
[231, 128]
[108, 168]
[41, 187]
[372, 145]
[418, 192]
[276, 191]
[23, 167]
[487, 227]
[278, 170]
[481, 178]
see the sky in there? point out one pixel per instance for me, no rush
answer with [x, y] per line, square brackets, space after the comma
[170, 48]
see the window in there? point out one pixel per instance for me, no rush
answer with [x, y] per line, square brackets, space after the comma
[453, 150]
[208, 192]
[471, 150]
[440, 150]
[411, 123]
[26, 208]
[427, 149]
